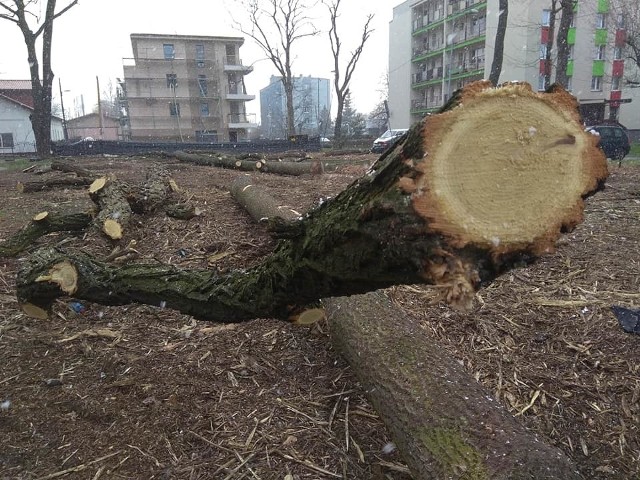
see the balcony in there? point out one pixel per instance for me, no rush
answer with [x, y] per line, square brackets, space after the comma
[242, 120]
[237, 93]
[234, 64]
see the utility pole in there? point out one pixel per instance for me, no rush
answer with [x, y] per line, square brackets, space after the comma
[64, 117]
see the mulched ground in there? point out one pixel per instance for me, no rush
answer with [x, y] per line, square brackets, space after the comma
[144, 392]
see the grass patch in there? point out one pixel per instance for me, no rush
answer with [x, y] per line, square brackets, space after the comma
[12, 164]
[635, 150]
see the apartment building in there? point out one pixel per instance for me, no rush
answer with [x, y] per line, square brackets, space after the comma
[185, 88]
[438, 46]
[311, 107]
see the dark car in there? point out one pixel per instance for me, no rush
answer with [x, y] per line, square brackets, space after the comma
[387, 139]
[614, 140]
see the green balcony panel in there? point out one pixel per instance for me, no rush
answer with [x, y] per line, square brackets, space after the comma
[603, 6]
[571, 36]
[601, 36]
[598, 68]
[570, 68]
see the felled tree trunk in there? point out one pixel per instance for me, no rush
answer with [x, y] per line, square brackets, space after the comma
[114, 212]
[42, 224]
[69, 167]
[446, 425]
[441, 418]
[280, 168]
[51, 183]
[461, 197]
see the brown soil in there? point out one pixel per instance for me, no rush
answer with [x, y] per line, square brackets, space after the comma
[144, 392]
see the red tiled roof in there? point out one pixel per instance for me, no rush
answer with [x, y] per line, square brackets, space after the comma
[18, 90]
[15, 84]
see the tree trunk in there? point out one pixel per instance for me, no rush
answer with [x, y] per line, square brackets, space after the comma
[501, 32]
[51, 183]
[69, 167]
[548, 64]
[444, 423]
[42, 225]
[450, 204]
[313, 167]
[261, 206]
[441, 418]
[563, 43]
[337, 127]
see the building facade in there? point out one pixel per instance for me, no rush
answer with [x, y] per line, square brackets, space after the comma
[93, 125]
[311, 106]
[438, 46]
[16, 108]
[185, 88]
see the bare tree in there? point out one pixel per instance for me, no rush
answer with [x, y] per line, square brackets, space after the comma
[340, 84]
[498, 52]
[275, 27]
[21, 12]
[548, 63]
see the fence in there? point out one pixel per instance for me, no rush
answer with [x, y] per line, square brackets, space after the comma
[100, 147]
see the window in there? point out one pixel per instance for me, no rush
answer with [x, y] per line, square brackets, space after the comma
[615, 83]
[546, 18]
[569, 84]
[169, 51]
[6, 140]
[542, 82]
[172, 80]
[598, 53]
[573, 20]
[199, 55]
[617, 53]
[204, 109]
[543, 51]
[596, 84]
[570, 52]
[202, 85]
[601, 20]
[174, 109]
[620, 20]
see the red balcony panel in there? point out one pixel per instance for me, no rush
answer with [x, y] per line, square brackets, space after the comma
[621, 38]
[542, 65]
[618, 68]
[615, 95]
[544, 35]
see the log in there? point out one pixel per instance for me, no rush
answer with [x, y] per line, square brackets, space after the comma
[153, 193]
[69, 167]
[445, 424]
[52, 183]
[261, 206]
[280, 168]
[42, 225]
[114, 210]
[463, 196]
[441, 418]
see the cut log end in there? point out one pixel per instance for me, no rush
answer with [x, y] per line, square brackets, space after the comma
[20, 187]
[310, 316]
[64, 274]
[506, 169]
[112, 229]
[97, 184]
[39, 217]
[34, 311]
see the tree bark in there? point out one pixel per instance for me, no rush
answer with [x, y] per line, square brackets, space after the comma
[444, 422]
[501, 33]
[450, 204]
[71, 222]
[69, 167]
[261, 206]
[51, 183]
[563, 43]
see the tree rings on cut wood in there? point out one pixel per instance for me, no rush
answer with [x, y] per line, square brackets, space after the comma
[505, 168]
[112, 229]
[38, 217]
[64, 274]
[97, 184]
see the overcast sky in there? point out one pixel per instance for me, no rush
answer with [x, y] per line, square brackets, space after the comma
[92, 38]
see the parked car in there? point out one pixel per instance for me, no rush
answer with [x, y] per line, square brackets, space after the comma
[387, 139]
[614, 140]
